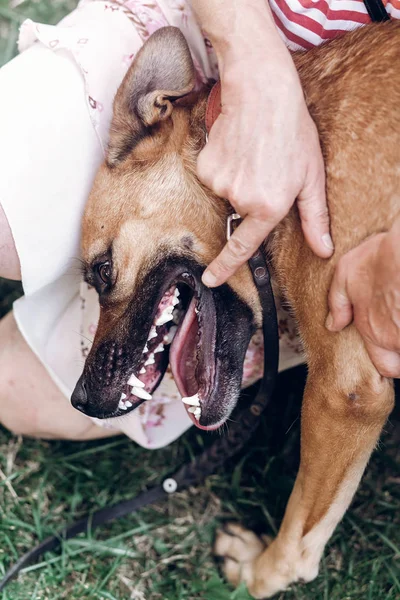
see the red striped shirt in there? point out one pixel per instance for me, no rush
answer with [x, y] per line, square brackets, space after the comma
[306, 23]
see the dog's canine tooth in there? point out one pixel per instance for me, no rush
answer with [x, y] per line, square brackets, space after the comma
[122, 405]
[176, 293]
[133, 380]
[141, 393]
[152, 334]
[150, 360]
[145, 349]
[123, 396]
[192, 401]
[160, 348]
[142, 371]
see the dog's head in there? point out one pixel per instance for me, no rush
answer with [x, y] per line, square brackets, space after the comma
[149, 230]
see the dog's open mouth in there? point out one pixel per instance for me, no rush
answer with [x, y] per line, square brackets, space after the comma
[182, 334]
[171, 319]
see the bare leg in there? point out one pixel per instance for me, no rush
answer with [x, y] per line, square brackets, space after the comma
[30, 402]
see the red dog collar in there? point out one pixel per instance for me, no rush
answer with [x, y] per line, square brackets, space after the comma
[213, 108]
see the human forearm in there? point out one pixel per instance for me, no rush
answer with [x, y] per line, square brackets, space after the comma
[239, 28]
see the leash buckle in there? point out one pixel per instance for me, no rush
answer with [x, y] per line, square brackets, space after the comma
[229, 224]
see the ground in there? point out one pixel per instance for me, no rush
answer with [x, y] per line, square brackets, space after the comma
[164, 552]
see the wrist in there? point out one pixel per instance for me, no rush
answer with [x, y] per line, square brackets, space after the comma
[239, 28]
[276, 78]
[250, 36]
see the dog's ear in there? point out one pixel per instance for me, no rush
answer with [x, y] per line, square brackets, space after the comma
[161, 72]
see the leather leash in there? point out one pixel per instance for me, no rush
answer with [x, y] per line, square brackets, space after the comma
[240, 431]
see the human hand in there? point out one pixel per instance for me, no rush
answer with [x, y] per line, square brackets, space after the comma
[263, 153]
[366, 289]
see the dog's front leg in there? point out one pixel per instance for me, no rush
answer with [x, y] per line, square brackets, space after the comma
[345, 406]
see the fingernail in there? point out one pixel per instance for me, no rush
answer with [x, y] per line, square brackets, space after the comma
[326, 238]
[329, 322]
[209, 279]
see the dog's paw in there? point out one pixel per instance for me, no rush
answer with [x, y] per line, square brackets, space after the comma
[253, 560]
[238, 548]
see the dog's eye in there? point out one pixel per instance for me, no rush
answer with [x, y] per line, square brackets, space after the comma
[104, 272]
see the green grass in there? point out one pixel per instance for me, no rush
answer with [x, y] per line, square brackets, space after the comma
[164, 552]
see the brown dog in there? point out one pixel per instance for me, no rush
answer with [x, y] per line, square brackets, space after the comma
[150, 227]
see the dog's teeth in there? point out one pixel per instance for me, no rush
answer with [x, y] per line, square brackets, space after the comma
[192, 400]
[196, 411]
[196, 310]
[123, 396]
[142, 371]
[145, 349]
[160, 348]
[152, 334]
[175, 300]
[167, 339]
[128, 404]
[122, 405]
[150, 360]
[176, 293]
[164, 318]
[141, 393]
[133, 380]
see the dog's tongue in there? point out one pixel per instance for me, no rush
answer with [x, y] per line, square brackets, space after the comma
[182, 355]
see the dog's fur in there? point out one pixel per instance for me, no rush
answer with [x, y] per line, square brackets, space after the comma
[147, 203]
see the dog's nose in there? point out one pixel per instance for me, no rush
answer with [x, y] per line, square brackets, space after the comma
[79, 396]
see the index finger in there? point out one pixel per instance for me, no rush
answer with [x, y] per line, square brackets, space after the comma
[245, 240]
